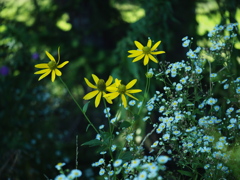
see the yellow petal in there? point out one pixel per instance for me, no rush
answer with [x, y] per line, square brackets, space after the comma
[124, 100]
[131, 83]
[149, 43]
[91, 95]
[58, 73]
[50, 56]
[152, 58]
[111, 89]
[109, 81]
[131, 96]
[107, 99]
[44, 65]
[146, 59]
[155, 45]
[138, 58]
[117, 82]
[132, 91]
[53, 76]
[157, 52]
[42, 71]
[98, 99]
[138, 44]
[112, 95]
[63, 64]
[136, 53]
[44, 75]
[95, 78]
[90, 84]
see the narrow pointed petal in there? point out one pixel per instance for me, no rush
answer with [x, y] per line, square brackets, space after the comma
[124, 100]
[90, 84]
[131, 96]
[157, 52]
[42, 71]
[44, 75]
[132, 91]
[117, 82]
[149, 43]
[138, 58]
[95, 78]
[58, 73]
[131, 83]
[155, 45]
[112, 95]
[134, 51]
[146, 59]
[98, 99]
[43, 65]
[53, 76]
[153, 58]
[50, 56]
[137, 53]
[138, 44]
[107, 99]
[91, 95]
[109, 81]
[63, 64]
[111, 89]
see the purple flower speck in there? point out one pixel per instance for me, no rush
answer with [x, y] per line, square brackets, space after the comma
[35, 56]
[4, 70]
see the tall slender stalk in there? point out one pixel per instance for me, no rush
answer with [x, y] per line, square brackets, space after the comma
[79, 107]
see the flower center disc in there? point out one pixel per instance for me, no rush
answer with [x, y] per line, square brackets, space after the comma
[101, 85]
[52, 65]
[122, 89]
[146, 50]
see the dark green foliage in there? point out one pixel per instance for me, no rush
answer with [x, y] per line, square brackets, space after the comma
[38, 120]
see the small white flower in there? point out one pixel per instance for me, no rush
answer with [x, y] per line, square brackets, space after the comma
[162, 159]
[117, 163]
[154, 144]
[75, 173]
[142, 175]
[60, 165]
[102, 172]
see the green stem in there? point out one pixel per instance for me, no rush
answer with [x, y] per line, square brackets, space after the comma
[145, 92]
[78, 105]
[111, 128]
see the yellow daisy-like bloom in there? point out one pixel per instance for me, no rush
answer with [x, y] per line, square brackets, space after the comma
[119, 89]
[145, 52]
[51, 66]
[101, 88]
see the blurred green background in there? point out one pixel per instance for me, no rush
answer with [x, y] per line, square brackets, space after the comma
[38, 120]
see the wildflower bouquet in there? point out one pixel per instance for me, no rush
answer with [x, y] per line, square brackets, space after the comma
[193, 116]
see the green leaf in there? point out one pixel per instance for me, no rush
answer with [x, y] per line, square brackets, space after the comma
[186, 173]
[85, 107]
[127, 156]
[87, 127]
[91, 143]
[125, 124]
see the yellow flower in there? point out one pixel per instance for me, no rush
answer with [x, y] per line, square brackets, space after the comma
[100, 87]
[51, 66]
[119, 89]
[145, 52]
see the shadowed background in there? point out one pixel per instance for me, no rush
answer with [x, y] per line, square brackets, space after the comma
[38, 120]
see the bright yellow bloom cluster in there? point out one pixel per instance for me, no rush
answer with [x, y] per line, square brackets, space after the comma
[120, 89]
[51, 66]
[115, 90]
[145, 52]
[101, 88]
